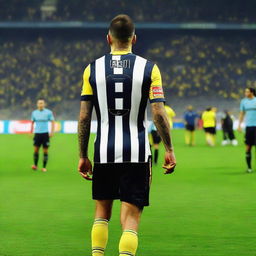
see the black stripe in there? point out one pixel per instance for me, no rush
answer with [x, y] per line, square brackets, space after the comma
[127, 105]
[97, 109]
[157, 100]
[111, 105]
[127, 253]
[143, 105]
[86, 97]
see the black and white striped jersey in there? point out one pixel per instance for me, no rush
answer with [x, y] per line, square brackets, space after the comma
[119, 84]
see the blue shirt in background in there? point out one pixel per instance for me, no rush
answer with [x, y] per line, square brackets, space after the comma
[152, 127]
[41, 118]
[190, 117]
[249, 107]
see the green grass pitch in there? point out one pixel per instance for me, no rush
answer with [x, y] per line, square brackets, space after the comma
[206, 208]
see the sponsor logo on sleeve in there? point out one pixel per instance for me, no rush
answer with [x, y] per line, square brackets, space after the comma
[157, 92]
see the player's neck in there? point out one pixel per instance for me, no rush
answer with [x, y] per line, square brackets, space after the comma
[118, 48]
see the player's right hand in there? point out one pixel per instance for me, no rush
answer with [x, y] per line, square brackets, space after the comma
[85, 168]
[239, 128]
[169, 162]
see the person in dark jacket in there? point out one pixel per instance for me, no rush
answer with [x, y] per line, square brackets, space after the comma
[227, 128]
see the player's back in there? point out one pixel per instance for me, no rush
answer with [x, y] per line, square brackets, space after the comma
[120, 85]
[209, 119]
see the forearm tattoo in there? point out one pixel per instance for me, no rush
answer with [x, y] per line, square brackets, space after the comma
[162, 124]
[84, 128]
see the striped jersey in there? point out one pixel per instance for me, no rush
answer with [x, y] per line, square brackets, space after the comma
[120, 84]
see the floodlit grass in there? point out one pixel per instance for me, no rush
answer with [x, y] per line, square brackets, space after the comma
[206, 208]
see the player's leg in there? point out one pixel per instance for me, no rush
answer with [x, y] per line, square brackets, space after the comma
[187, 137]
[45, 158]
[232, 137]
[156, 153]
[37, 144]
[192, 136]
[134, 194]
[225, 137]
[208, 138]
[36, 157]
[249, 141]
[130, 218]
[248, 157]
[105, 188]
[156, 140]
[46, 144]
[99, 234]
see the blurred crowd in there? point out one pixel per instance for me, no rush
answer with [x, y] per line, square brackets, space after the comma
[142, 11]
[50, 69]
[206, 65]
[191, 66]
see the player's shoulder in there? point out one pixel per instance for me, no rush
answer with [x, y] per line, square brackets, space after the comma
[149, 62]
[34, 111]
[48, 110]
[244, 100]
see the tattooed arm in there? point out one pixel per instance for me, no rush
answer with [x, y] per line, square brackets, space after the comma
[162, 124]
[84, 127]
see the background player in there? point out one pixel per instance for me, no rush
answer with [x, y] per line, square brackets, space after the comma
[171, 114]
[155, 141]
[227, 128]
[190, 117]
[248, 110]
[119, 85]
[209, 124]
[39, 125]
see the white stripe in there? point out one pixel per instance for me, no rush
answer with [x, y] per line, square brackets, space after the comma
[102, 98]
[138, 74]
[118, 87]
[147, 147]
[117, 70]
[118, 139]
[118, 119]
[119, 103]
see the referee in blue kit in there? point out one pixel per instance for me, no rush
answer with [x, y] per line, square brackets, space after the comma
[40, 118]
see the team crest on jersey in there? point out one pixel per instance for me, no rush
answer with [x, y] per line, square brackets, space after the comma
[157, 92]
[120, 64]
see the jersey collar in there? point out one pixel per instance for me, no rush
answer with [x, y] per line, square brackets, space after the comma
[120, 52]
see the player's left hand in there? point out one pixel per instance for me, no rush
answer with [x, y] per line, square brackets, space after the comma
[170, 162]
[85, 168]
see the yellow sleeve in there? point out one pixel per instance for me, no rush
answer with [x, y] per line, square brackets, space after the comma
[87, 91]
[156, 93]
[172, 113]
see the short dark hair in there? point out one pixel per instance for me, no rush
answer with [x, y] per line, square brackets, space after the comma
[122, 28]
[252, 90]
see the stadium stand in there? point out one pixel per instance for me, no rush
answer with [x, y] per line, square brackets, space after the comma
[147, 11]
[191, 65]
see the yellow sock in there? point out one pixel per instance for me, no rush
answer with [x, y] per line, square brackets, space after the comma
[99, 237]
[128, 243]
[213, 140]
[187, 138]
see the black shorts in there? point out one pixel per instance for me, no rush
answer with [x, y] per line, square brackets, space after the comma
[190, 127]
[129, 182]
[156, 137]
[250, 136]
[211, 130]
[42, 139]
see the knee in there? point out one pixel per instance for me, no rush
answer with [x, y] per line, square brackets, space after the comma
[103, 209]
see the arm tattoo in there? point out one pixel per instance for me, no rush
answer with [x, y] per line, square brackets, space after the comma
[163, 126]
[84, 127]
